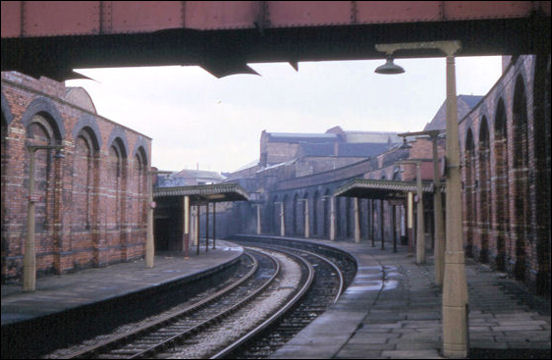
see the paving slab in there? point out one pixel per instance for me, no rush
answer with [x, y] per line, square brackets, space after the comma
[58, 293]
[401, 312]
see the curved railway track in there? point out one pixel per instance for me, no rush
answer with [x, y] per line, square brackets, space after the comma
[167, 330]
[327, 286]
[284, 289]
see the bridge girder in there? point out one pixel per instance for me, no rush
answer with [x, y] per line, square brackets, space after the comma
[53, 38]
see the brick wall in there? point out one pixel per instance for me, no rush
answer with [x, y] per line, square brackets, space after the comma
[91, 207]
[506, 175]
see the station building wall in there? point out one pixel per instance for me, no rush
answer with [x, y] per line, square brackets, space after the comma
[91, 202]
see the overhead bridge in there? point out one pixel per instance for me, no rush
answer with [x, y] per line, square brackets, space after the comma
[52, 37]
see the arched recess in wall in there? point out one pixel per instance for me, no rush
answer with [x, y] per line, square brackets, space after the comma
[469, 165]
[84, 199]
[315, 212]
[542, 157]
[43, 128]
[139, 192]
[302, 214]
[86, 179]
[502, 183]
[338, 217]
[7, 117]
[115, 211]
[484, 189]
[326, 213]
[5, 246]
[294, 214]
[275, 215]
[522, 208]
[348, 218]
[285, 217]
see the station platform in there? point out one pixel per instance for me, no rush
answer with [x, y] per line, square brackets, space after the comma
[61, 293]
[393, 310]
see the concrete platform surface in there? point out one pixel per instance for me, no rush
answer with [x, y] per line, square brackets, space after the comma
[57, 293]
[393, 310]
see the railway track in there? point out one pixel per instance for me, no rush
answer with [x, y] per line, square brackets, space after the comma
[178, 330]
[283, 290]
[328, 285]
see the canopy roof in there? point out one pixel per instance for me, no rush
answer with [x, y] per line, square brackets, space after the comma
[205, 193]
[381, 189]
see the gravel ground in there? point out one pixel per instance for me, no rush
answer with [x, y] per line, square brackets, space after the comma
[235, 326]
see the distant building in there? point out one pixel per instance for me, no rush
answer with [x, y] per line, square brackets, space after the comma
[347, 146]
[189, 177]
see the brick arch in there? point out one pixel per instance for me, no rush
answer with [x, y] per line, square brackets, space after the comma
[139, 192]
[88, 122]
[348, 217]
[522, 209]
[315, 212]
[275, 214]
[502, 192]
[484, 189]
[45, 107]
[118, 135]
[471, 212]
[294, 214]
[116, 206]
[141, 145]
[7, 115]
[338, 217]
[326, 214]
[84, 198]
[42, 129]
[542, 156]
[6, 119]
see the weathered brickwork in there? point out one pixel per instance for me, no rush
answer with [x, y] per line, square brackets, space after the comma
[505, 142]
[91, 208]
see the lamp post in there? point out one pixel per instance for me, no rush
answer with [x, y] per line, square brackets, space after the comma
[150, 247]
[455, 293]
[439, 248]
[29, 258]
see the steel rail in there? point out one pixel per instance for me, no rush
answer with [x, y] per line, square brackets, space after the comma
[105, 345]
[321, 257]
[337, 270]
[167, 342]
[277, 315]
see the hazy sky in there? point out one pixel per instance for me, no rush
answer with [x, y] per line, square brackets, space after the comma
[194, 117]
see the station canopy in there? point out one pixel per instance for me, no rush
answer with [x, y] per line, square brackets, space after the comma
[205, 193]
[381, 189]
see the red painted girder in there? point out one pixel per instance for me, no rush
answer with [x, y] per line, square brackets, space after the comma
[58, 18]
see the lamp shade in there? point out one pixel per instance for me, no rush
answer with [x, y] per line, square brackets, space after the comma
[389, 68]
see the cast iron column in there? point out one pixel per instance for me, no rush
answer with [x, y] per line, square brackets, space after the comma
[214, 225]
[455, 293]
[420, 231]
[186, 235]
[439, 249]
